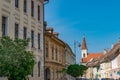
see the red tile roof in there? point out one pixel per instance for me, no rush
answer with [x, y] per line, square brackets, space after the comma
[90, 56]
[94, 61]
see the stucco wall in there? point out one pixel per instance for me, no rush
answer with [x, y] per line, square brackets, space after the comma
[17, 15]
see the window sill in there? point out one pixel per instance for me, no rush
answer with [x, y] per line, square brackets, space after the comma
[39, 21]
[33, 17]
[33, 48]
[39, 50]
[25, 13]
[18, 9]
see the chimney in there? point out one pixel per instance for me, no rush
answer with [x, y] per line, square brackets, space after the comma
[50, 30]
[55, 34]
[105, 51]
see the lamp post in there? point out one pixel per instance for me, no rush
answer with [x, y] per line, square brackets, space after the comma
[76, 43]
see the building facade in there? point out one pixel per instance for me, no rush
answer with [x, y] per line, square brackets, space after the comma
[88, 59]
[70, 59]
[54, 56]
[24, 19]
[108, 65]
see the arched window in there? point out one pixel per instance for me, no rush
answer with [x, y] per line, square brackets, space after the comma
[83, 54]
[47, 74]
[39, 69]
[46, 50]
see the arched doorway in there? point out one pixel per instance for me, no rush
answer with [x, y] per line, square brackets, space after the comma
[47, 74]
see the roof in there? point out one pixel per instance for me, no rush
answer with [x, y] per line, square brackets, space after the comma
[84, 46]
[111, 54]
[49, 28]
[67, 46]
[91, 56]
[105, 57]
[94, 61]
[52, 36]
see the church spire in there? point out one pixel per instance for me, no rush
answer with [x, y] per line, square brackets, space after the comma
[84, 46]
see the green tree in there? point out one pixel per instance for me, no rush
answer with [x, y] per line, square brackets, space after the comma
[76, 70]
[16, 63]
[83, 68]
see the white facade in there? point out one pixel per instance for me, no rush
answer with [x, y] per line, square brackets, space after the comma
[114, 63]
[16, 15]
[102, 70]
[84, 53]
[96, 72]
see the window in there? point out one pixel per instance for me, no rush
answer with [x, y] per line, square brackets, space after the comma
[38, 12]
[59, 56]
[46, 50]
[56, 53]
[83, 54]
[32, 39]
[52, 49]
[39, 69]
[4, 26]
[38, 40]
[16, 30]
[25, 33]
[52, 74]
[17, 3]
[25, 6]
[57, 74]
[32, 8]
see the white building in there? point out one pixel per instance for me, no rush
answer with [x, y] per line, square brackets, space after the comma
[24, 19]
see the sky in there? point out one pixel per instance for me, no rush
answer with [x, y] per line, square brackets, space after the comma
[97, 20]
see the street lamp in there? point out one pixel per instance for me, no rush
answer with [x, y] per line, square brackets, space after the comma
[76, 43]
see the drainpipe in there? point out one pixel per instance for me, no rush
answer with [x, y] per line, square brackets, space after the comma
[44, 27]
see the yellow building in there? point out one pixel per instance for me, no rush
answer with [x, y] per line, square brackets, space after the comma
[24, 19]
[54, 55]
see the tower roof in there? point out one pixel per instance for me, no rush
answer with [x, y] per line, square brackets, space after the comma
[84, 46]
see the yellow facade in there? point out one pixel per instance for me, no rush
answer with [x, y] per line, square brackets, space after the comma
[70, 59]
[108, 70]
[89, 73]
[16, 15]
[54, 56]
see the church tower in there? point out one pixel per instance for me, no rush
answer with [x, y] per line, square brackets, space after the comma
[84, 50]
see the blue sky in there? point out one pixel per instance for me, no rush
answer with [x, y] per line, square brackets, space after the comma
[98, 20]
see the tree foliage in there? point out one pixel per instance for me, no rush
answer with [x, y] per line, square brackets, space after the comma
[16, 63]
[76, 70]
[83, 69]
